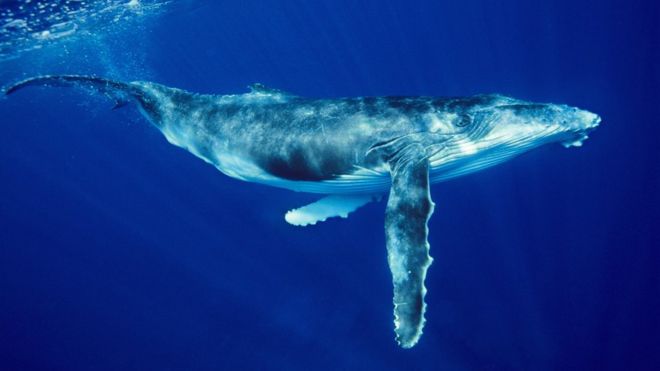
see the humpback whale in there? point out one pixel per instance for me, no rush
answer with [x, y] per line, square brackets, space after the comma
[352, 151]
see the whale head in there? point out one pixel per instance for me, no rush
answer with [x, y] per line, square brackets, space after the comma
[491, 129]
[521, 124]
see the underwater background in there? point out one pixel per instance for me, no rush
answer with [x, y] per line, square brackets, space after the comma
[119, 251]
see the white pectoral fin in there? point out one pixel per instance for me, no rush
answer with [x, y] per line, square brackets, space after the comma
[327, 207]
[409, 208]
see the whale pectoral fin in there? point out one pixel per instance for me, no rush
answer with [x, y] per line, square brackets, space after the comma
[327, 207]
[409, 208]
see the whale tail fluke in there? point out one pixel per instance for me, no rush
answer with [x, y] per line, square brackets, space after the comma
[149, 96]
[120, 92]
[96, 83]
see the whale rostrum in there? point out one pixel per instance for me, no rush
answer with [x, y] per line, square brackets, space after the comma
[353, 151]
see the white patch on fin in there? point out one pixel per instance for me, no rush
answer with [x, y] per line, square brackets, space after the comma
[327, 207]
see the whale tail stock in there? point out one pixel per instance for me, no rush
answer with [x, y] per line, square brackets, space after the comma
[120, 92]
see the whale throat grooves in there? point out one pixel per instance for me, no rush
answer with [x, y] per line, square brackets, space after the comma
[409, 208]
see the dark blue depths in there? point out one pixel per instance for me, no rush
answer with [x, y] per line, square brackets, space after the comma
[119, 251]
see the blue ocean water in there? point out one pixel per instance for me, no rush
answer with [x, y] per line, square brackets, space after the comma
[119, 251]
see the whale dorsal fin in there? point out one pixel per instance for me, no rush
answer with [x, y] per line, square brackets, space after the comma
[263, 89]
[327, 207]
[409, 207]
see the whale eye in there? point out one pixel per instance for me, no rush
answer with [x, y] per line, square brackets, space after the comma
[463, 120]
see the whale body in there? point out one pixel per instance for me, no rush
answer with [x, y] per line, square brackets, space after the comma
[353, 151]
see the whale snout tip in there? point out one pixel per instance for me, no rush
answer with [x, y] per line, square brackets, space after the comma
[594, 121]
[589, 120]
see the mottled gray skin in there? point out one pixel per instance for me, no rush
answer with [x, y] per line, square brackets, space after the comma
[301, 139]
[353, 146]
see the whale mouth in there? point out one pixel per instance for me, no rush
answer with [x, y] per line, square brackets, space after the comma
[595, 122]
[576, 140]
